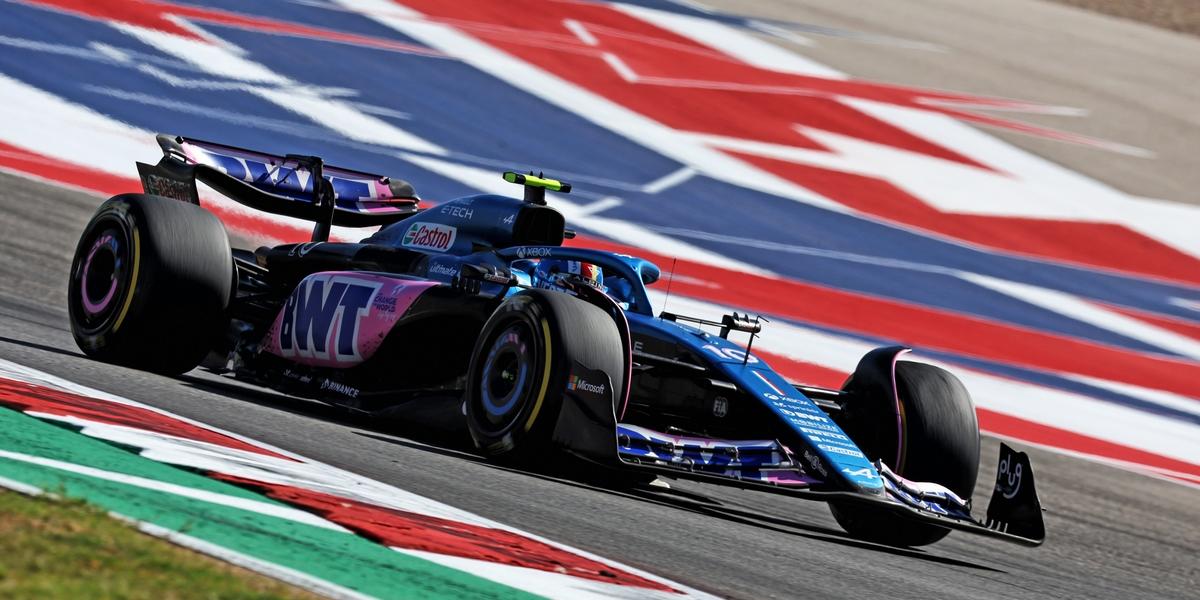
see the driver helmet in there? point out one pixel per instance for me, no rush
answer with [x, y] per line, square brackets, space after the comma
[550, 272]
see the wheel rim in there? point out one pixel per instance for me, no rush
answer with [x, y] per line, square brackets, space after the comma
[506, 377]
[101, 275]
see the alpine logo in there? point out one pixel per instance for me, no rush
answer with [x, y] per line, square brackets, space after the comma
[430, 236]
[863, 473]
[321, 318]
[577, 383]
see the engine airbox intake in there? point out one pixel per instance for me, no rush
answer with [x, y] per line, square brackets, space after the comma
[538, 226]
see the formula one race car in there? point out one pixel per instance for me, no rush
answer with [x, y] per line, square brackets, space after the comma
[473, 312]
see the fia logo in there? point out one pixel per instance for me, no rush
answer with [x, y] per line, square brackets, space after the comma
[321, 308]
[720, 407]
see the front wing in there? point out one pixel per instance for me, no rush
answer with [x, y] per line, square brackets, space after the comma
[1014, 513]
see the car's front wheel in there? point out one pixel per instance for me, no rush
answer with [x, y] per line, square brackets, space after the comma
[523, 363]
[931, 435]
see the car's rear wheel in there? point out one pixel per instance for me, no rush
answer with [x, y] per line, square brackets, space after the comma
[938, 441]
[522, 362]
[150, 283]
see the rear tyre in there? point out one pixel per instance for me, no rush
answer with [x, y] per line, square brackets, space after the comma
[939, 442]
[521, 364]
[150, 284]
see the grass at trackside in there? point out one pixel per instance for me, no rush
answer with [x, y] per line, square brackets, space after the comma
[68, 549]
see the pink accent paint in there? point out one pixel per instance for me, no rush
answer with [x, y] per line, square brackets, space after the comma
[389, 298]
[896, 397]
[769, 384]
[93, 308]
[628, 387]
[785, 478]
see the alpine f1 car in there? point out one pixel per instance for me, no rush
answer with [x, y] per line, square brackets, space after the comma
[472, 311]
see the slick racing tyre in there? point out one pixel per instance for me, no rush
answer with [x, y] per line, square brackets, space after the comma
[939, 442]
[521, 365]
[150, 284]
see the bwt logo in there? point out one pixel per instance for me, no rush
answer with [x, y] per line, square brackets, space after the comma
[309, 318]
[430, 236]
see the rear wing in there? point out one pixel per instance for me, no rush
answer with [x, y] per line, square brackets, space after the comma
[292, 185]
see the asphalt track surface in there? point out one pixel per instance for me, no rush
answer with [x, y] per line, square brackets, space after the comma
[1112, 533]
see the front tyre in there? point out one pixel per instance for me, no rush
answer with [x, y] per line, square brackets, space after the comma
[938, 442]
[150, 284]
[522, 362]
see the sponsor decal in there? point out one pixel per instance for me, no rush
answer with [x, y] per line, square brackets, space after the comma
[322, 316]
[302, 249]
[458, 211]
[533, 252]
[700, 452]
[799, 404]
[297, 181]
[510, 219]
[384, 304]
[168, 188]
[815, 462]
[297, 376]
[1008, 477]
[339, 388]
[440, 269]
[430, 236]
[796, 415]
[825, 428]
[577, 383]
[826, 433]
[840, 450]
[720, 407]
